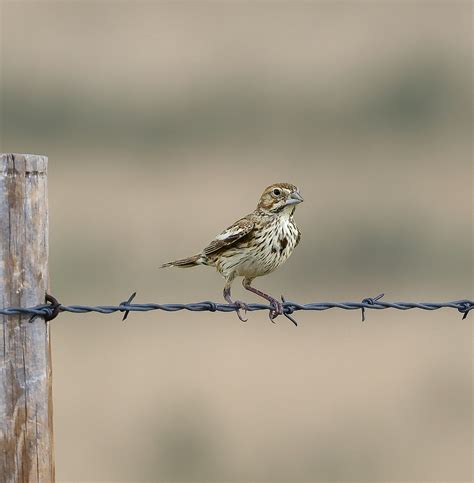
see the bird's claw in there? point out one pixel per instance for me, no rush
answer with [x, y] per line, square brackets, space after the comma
[276, 309]
[241, 306]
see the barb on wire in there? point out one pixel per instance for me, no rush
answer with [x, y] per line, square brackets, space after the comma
[127, 302]
[52, 308]
[370, 301]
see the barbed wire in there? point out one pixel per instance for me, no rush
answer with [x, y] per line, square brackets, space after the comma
[52, 308]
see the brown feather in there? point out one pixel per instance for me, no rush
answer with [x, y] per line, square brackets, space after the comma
[184, 262]
[238, 230]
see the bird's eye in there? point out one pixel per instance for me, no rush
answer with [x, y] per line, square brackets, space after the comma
[276, 192]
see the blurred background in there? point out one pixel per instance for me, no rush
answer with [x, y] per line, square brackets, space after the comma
[163, 122]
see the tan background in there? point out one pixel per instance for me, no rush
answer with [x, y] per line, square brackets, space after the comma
[163, 123]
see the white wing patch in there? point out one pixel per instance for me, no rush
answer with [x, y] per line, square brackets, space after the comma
[229, 233]
[229, 236]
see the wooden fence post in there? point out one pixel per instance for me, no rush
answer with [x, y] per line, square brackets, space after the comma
[26, 410]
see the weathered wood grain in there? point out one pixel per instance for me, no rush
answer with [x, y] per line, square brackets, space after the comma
[26, 417]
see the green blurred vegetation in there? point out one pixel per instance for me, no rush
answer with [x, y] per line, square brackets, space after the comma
[418, 95]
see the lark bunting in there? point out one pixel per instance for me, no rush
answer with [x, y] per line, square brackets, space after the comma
[255, 245]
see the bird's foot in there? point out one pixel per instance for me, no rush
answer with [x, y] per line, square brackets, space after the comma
[239, 305]
[276, 309]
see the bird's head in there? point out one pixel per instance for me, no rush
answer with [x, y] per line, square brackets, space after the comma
[280, 198]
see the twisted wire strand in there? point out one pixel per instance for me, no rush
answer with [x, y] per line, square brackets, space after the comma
[50, 310]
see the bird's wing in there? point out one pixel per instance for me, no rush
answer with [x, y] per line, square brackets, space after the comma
[229, 236]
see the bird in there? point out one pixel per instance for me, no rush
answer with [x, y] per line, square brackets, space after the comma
[253, 246]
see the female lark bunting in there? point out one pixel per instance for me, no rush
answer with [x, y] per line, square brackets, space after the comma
[255, 245]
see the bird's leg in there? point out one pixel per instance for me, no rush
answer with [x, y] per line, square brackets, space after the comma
[240, 305]
[277, 307]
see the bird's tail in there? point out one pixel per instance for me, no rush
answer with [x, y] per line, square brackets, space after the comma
[185, 262]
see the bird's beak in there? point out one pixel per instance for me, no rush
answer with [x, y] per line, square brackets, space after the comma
[294, 199]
